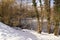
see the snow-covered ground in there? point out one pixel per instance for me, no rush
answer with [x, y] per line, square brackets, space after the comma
[8, 33]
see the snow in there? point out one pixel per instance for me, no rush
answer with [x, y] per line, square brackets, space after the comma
[44, 20]
[9, 33]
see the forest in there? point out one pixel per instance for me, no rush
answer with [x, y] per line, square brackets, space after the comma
[12, 12]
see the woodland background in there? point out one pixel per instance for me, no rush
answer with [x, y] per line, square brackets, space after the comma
[12, 13]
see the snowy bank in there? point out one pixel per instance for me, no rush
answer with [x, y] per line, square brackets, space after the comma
[8, 33]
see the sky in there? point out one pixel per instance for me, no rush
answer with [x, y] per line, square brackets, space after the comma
[30, 2]
[52, 2]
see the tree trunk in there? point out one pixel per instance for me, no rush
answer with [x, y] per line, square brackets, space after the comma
[47, 8]
[56, 29]
[41, 13]
[56, 16]
[37, 15]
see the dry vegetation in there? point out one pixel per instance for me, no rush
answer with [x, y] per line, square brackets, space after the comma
[11, 13]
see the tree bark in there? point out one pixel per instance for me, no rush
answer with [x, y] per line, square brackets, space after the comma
[47, 8]
[37, 15]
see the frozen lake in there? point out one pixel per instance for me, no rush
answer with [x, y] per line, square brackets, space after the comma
[33, 25]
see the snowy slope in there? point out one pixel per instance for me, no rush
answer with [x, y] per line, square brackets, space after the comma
[8, 33]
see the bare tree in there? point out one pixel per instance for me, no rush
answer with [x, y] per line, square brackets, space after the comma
[47, 8]
[37, 15]
[56, 16]
[41, 12]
